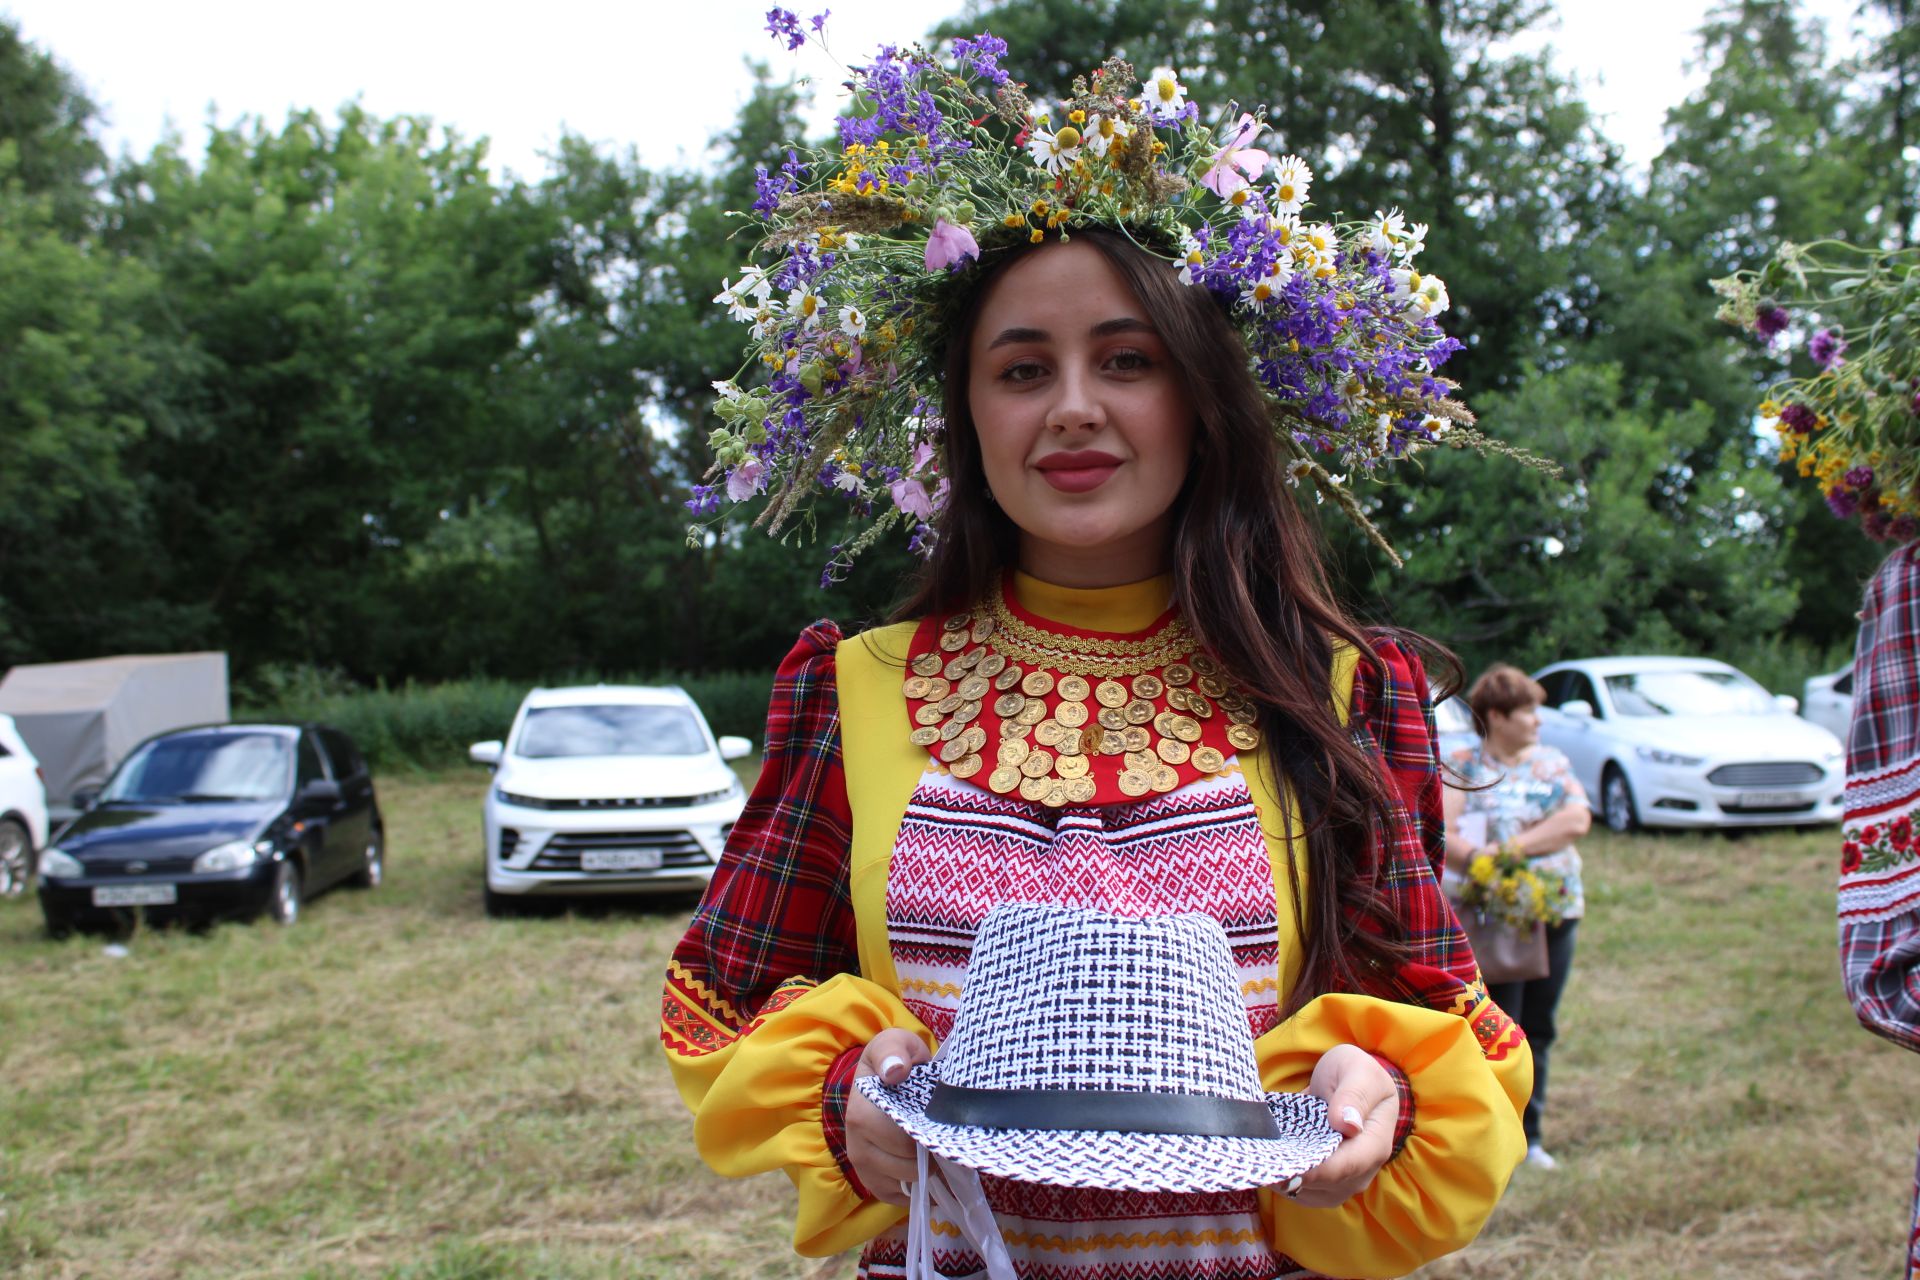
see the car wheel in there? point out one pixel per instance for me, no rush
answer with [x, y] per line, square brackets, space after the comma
[283, 903]
[373, 869]
[1616, 801]
[16, 859]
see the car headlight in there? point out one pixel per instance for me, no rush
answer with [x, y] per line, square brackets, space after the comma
[232, 855]
[524, 802]
[59, 864]
[1654, 755]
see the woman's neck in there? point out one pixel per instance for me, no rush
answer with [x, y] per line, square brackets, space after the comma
[1505, 754]
[1145, 553]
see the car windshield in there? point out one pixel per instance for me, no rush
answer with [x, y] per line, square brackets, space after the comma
[205, 767]
[614, 730]
[1688, 693]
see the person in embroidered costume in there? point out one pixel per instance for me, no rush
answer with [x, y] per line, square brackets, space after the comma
[1853, 427]
[1533, 806]
[1120, 684]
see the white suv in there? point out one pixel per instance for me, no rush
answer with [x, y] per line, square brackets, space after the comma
[606, 789]
[23, 811]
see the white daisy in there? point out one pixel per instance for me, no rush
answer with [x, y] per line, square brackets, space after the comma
[1433, 295]
[1297, 470]
[726, 390]
[847, 480]
[803, 304]
[1268, 287]
[1291, 181]
[1387, 230]
[1054, 151]
[1163, 91]
[1415, 241]
[1190, 256]
[852, 322]
[1101, 132]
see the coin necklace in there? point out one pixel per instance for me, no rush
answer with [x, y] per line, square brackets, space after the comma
[1066, 718]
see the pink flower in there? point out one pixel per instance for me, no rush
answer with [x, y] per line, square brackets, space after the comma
[922, 455]
[912, 498]
[950, 244]
[1237, 166]
[747, 479]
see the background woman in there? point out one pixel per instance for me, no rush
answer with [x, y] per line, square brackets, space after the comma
[1523, 794]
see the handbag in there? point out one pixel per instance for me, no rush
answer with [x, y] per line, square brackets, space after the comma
[1506, 954]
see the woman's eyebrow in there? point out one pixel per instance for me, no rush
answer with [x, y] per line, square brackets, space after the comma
[1106, 328]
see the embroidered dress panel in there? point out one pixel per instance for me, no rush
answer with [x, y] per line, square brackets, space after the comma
[961, 850]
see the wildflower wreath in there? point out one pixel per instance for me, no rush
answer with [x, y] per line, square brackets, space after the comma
[942, 164]
[1853, 427]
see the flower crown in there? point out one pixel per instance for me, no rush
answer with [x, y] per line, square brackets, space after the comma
[1853, 428]
[870, 244]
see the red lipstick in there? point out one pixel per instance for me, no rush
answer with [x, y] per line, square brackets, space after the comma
[1078, 471]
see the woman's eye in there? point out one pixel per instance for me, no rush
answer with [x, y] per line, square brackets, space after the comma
[1026, 371]
[1130, 361]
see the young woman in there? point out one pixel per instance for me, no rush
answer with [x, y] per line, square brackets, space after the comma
[1121, 683]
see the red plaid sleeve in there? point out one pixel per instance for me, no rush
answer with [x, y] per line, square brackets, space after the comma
[777, 919]
[1879, 890]
[1391, 718]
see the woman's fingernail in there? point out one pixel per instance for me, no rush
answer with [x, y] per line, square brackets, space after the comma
[1351, 1115]
[891, 1063]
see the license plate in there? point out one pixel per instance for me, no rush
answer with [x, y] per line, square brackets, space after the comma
[620, 860]
[1770, 799]
[135, 895]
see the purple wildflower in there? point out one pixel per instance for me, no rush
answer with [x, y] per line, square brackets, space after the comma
[981, 55]
[771, 189]
[705, 500]
[782, 24]
[1877, 525]
[1903, 529]
[820, 22]
[1799, 417]
[1915, 405]
[1843, 503]
[1770, 322]
[1826, 348]
[1860, 477]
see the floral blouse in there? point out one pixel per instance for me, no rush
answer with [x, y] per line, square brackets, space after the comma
[1515, 797]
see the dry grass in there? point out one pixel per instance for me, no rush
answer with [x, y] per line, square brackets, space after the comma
[401, 1087]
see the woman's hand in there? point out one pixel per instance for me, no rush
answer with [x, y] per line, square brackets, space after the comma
[1364, 1106]
[879, 1150]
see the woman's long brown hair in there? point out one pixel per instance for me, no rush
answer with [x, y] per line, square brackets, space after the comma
[1249, 577]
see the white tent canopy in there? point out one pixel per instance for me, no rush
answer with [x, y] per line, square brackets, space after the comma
[81, 718]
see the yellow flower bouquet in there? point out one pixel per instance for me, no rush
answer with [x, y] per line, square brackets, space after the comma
[1506, 888]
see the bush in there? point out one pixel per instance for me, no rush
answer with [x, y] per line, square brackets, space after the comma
[430, 726]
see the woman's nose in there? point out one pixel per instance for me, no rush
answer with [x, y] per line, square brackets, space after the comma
[1076, 403]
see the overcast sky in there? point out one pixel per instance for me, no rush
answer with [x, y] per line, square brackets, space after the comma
[662, 75]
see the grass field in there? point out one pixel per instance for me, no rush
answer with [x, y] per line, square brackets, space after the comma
[400, 1087]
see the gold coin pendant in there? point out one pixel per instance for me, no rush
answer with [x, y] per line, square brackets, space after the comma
[1074, 689]
[1071, 714]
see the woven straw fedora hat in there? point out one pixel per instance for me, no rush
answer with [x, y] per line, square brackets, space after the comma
[1093, 1050]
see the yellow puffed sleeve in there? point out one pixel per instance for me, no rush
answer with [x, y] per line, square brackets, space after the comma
[756, 1102]
[1434, 1196]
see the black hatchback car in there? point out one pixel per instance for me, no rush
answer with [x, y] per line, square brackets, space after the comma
[225, 821]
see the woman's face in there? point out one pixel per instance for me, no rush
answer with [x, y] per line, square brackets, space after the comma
[1083, 420]
[1513, 731]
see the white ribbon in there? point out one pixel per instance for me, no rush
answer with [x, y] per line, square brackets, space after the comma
[956, 1192]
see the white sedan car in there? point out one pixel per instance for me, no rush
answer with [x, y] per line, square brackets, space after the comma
[606, 789]
[23, 810]
[1829, 701]
[1688, 742]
